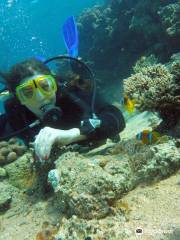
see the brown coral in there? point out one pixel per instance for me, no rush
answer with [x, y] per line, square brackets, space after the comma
[11, 150]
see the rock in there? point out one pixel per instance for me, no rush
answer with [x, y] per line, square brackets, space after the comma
[166, 160]
[5, 198]
[153, 162]
[21, 172]
[88, 190]
[89, 187]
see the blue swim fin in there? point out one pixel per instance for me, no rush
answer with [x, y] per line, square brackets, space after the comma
[70, 34]
[40, 58]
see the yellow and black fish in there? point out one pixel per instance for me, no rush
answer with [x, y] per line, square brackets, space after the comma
[128, 104]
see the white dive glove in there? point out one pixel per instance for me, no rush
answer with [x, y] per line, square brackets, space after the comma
[48, 136]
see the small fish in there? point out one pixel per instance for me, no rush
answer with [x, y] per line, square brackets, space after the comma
[128, 104]
[148, 137]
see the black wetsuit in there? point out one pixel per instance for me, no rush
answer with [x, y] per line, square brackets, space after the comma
[18, 116]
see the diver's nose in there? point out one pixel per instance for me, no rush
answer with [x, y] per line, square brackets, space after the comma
[39, 95]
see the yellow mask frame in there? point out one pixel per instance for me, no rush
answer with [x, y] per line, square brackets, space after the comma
[46, 85]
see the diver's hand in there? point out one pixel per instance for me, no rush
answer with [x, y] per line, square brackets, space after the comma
[48, 136]
[44, 141]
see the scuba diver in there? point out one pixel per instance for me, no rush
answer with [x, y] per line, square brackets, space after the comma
[56, 104]
[55, 101]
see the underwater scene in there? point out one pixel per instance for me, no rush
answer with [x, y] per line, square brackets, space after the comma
[90, 120]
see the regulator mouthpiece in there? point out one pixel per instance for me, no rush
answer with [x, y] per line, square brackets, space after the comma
[51, 115]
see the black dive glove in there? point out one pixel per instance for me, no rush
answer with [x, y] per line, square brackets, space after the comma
[88, 126]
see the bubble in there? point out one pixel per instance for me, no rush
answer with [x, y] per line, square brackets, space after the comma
[33, 38]
[10, 3]
[34, 1]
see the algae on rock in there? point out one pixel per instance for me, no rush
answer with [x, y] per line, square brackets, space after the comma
[88, 188]
[22, 173]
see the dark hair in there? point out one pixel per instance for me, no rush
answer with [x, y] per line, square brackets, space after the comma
[23, 70]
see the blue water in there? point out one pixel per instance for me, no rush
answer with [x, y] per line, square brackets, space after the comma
[33, 27]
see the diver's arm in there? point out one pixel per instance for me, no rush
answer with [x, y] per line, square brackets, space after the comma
[111, 123]
[48, 136]
[70, 136]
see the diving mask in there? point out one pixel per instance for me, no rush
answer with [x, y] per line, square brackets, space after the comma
[27, 92]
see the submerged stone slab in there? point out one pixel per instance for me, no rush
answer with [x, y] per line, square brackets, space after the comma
[89, 187]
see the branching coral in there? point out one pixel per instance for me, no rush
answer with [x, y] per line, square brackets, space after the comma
[145, 61]
[170, 19]
[155, 88]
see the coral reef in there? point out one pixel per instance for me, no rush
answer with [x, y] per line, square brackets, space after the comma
[150, 163]
[156, 88]
[22, 172]
[145, 61]
[5, 197]
[100, 29]
[89, 188]
[2, 173]
[170, 19]
[11, 150]
[115, 36]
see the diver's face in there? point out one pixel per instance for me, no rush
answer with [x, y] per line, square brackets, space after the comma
[37, 105]
[37, 92]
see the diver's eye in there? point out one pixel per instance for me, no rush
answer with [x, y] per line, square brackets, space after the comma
[27, 92]
[45, 85]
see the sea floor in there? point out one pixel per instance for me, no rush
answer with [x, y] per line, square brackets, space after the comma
[155, 209]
